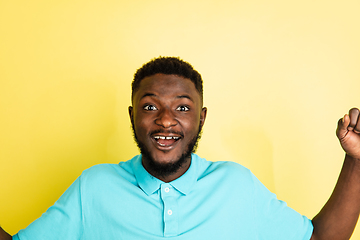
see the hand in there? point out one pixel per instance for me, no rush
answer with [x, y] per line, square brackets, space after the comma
[348, 132]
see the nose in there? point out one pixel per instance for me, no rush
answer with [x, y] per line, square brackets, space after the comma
[166, 119]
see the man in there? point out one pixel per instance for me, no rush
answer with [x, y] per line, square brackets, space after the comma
[169, 192]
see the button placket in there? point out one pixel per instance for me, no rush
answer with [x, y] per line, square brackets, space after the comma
[168, 196]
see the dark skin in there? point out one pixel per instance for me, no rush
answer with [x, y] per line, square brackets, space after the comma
[337, 219]
[171, 103]
[4, 235]
[170, 106]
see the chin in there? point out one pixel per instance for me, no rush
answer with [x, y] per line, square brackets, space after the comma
[166, 158]
[164, 165]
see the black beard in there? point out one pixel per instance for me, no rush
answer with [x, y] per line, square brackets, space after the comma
[164, 170]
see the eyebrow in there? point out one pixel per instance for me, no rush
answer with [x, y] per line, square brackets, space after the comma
[185, 96]
[148, 95]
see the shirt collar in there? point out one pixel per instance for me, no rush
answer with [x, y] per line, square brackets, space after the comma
[150, 184]
[185, 183]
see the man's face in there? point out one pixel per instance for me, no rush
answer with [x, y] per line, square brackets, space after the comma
[167, 116]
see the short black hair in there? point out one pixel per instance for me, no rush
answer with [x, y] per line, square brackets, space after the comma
[167, 65]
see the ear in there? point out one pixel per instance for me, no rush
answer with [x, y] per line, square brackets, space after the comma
[203, 116]
[131, 114]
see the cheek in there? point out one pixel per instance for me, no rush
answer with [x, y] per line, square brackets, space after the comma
[191, 125]
[140, 120]
[140, 127]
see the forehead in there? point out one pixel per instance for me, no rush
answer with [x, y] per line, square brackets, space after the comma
[163, 85]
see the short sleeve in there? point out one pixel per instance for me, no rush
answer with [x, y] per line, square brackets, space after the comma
[61, 221]
[275, 220]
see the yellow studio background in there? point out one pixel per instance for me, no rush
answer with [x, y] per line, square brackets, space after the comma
[277, 77]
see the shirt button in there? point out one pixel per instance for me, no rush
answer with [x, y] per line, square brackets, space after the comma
[169, 212]
[167, 189]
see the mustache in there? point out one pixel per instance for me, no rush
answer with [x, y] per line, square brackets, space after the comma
[167, 132]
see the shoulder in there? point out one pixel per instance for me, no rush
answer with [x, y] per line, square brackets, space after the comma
[224, 170]
[228, 178]
[108, 172]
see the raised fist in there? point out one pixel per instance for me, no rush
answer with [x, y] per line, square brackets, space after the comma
[348, 132]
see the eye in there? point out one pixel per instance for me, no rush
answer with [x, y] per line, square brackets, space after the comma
[150, 108]
[182, 108]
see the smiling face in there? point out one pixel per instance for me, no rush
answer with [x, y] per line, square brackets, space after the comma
[167, 117]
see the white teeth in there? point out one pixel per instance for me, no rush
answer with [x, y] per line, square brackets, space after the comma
[167, 138]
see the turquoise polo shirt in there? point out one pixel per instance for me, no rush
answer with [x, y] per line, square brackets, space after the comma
[212, 200]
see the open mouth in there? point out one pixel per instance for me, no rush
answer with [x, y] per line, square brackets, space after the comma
[165, 141]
